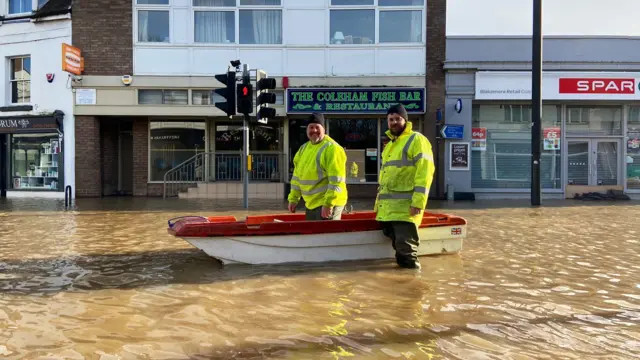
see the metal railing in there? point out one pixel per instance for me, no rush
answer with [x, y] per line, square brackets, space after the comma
[224, 167]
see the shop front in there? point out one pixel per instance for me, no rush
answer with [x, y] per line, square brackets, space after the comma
[589, 141]
[32, 155]
[356, 119]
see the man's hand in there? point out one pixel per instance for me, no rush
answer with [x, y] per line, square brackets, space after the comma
[326, 212]
[292, 207]
[414, 211]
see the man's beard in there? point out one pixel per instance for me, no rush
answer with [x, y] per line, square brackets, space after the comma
[400, 131]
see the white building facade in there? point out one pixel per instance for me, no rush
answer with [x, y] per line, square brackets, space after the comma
[350, 59]
[590, 138]
[36, 102]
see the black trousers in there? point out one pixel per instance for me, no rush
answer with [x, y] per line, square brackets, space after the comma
[405, 241]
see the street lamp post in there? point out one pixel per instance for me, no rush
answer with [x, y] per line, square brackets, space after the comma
[536, 102]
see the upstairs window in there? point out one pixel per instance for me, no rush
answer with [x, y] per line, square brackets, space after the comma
[20, 80]
[364, 22]
[153, 21]
[237, 21]
[20, 6]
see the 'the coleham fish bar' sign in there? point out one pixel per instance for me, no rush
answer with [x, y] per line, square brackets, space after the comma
[354, 100]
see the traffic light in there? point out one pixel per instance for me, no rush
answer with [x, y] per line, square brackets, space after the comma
[264, 97]
[228, 92]
[245, 98]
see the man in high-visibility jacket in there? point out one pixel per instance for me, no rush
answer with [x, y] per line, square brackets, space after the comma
[405, 178]
[319, 174]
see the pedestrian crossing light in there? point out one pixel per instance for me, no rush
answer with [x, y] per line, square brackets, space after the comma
[264, 97]
[245, 98]
[228, 92]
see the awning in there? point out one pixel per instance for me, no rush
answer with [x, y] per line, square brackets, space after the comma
[32, 123]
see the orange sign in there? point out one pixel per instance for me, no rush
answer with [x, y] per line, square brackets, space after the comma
[71, 59]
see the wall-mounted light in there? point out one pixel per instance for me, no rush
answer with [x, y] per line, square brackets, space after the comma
[458, 106]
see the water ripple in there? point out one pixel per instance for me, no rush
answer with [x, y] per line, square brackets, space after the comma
[553, 283]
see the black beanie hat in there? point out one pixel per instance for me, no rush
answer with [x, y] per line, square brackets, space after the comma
[316, 118]
[400, 110]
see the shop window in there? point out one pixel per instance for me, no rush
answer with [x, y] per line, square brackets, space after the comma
[209, 97]
[501, 147]
[633, 149]
[594, 120]
[21, 80]
[359, 137]
[35, 161]
[172, 143]
[263, 137]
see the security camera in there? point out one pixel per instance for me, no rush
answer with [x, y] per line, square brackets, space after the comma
[235, 63]
[76, 78]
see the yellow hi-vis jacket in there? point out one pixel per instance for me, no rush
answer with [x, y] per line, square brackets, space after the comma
[405, 177]
[319, 175]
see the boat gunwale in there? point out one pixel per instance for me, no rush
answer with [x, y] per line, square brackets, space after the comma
[266, 225]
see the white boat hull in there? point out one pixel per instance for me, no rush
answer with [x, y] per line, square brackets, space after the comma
[365, 245]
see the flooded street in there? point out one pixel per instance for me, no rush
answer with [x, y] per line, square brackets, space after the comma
[560, 282]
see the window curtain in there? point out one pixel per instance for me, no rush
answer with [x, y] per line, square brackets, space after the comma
[416, 26]
[212, 3]
[143, 26]
[19, 6]
[267, 26]
[211, 27]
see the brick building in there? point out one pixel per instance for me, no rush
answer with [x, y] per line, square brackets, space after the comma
[136, 133]
[37, 145]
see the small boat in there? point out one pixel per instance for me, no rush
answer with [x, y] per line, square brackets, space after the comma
[289, 238]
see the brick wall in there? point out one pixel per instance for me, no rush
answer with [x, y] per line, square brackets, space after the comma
[109, 139]
[436, 56]
[140, 156]
[87, 131]
[102, 29]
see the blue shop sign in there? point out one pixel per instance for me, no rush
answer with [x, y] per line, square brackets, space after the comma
[354, 100]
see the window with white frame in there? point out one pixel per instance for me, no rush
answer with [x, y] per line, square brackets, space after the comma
[153, 21]
[20, 83]
[237, 21]
[20, 6]
[359, 21]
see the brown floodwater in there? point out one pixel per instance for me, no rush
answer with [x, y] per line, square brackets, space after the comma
[104, 280]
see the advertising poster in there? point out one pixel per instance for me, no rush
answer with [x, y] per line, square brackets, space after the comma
[479, 139]
[551, 138]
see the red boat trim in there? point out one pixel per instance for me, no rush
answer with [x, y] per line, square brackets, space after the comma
[291, 224]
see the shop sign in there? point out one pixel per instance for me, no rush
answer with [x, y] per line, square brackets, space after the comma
[551, 138]
[19, 125]
[479, 139]
[497, 85]
[354, 100]
[596, 86]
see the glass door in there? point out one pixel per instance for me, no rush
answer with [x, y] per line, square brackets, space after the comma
[593, 162]
[578, 170]
[606, 159]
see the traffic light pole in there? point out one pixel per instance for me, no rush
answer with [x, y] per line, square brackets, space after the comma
[245, 159]
[245, 147]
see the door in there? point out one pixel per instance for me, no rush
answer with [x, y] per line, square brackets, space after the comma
[3, 165]
[125, 171]
[593, 162]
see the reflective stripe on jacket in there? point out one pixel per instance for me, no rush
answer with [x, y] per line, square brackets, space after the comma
[405, 177]
[319, 174]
